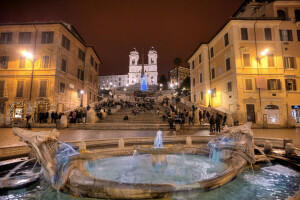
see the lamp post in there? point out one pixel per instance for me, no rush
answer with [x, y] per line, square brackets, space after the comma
[81, 92]
[30, 57]
[209, 92]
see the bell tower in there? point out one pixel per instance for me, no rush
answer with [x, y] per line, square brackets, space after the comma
[133, 57]
[152, 56]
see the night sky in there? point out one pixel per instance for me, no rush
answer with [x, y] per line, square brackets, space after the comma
[174, 27]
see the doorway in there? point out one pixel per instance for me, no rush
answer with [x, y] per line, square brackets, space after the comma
[296, 113]
[250, 113]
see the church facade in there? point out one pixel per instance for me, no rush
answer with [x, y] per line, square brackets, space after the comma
[137, 67]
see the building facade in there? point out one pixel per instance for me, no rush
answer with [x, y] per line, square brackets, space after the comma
[44, 68]
[178, 77]
[112, 81]
[250, 68]
[135, 71]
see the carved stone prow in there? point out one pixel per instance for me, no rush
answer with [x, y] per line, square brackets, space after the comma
[44, 144]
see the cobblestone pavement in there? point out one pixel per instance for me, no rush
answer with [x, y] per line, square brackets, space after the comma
[8, 139]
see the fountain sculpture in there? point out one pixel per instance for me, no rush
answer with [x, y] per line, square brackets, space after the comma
[64, 167]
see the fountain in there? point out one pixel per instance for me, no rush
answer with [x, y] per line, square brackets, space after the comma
[133, 173]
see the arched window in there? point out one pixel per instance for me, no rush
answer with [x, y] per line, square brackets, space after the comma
[281, 14]
[297, 15]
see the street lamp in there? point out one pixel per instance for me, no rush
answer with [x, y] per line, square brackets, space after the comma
[209, 92]
[81, 92]
[29, 56]
[262, 54]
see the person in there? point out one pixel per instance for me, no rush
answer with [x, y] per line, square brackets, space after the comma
[84, 116]
[200, 117]
[224, 119]
[211, 124]
[52, 116]
[157, 110]
[27, 121]
[170, 121]
[191, 117]
[218, 123]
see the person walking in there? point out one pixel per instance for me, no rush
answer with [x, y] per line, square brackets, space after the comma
[211, 124]
[218, 123]
[200, 116]
[224, 119]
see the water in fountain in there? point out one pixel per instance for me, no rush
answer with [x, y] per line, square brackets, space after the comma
[62, 157]
[158, 142]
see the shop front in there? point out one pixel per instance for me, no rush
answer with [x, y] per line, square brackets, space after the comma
[296, 113]
[17, 112]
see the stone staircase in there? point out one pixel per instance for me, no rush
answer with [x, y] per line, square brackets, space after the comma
[146, 118]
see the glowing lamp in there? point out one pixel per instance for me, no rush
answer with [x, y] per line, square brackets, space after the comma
[81, 91]
[27, 54]
[209, 91]
[264, 52]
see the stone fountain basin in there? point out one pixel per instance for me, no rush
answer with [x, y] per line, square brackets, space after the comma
[82, 183]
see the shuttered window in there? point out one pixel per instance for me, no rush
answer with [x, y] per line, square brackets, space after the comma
[45, 62]
[63, 65]
[286, 35]
[274, 84]
[22, 62]
[6, 38]
[227, 64]
[43, 88]
[47, 37]
[246, 59]
[248, 83]
[268, 34]
[24, 37]
[20, 86]
[290, 84]
[2, 84]
[244, 33]
[271, 60]
[289, 62]
[65, 42]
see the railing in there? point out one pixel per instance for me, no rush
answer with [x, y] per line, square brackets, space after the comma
[91, 105]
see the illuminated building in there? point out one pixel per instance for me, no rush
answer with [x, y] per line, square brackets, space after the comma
[252, 65]
[183, 73]
[43, 68]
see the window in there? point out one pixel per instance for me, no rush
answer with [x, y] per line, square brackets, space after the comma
[20, 86]
[45, 62]
[4, 62]
[96, 66]
[81, 55]
[6, 38]
[22, 62]
[298, 35]
[229, 87]
[213, 92]
[200, 58]
[92, 61]
[78, 93]
[91, 78]
[289, 62]
[200, 77]
[64, 65]
[297, 15]
[90, 95]
[213, 75]
[201, 95]
[193, 65]
[65, 42]
[62, 87]
[194, 98]
[248, 83]
[286, 35]
[268, 34]
[43, 88]
[226, 39]
[244, 33]
[211, 52]
[194, 82]
[281, 14]
[274, 84]
[80, 74]
[246, 60]
[133, 62]
[47, 37]
[227, 62]
[152, 61]
[290, 84]
[2, 84]
[220, 70]
[271, 60]
[24, 37]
